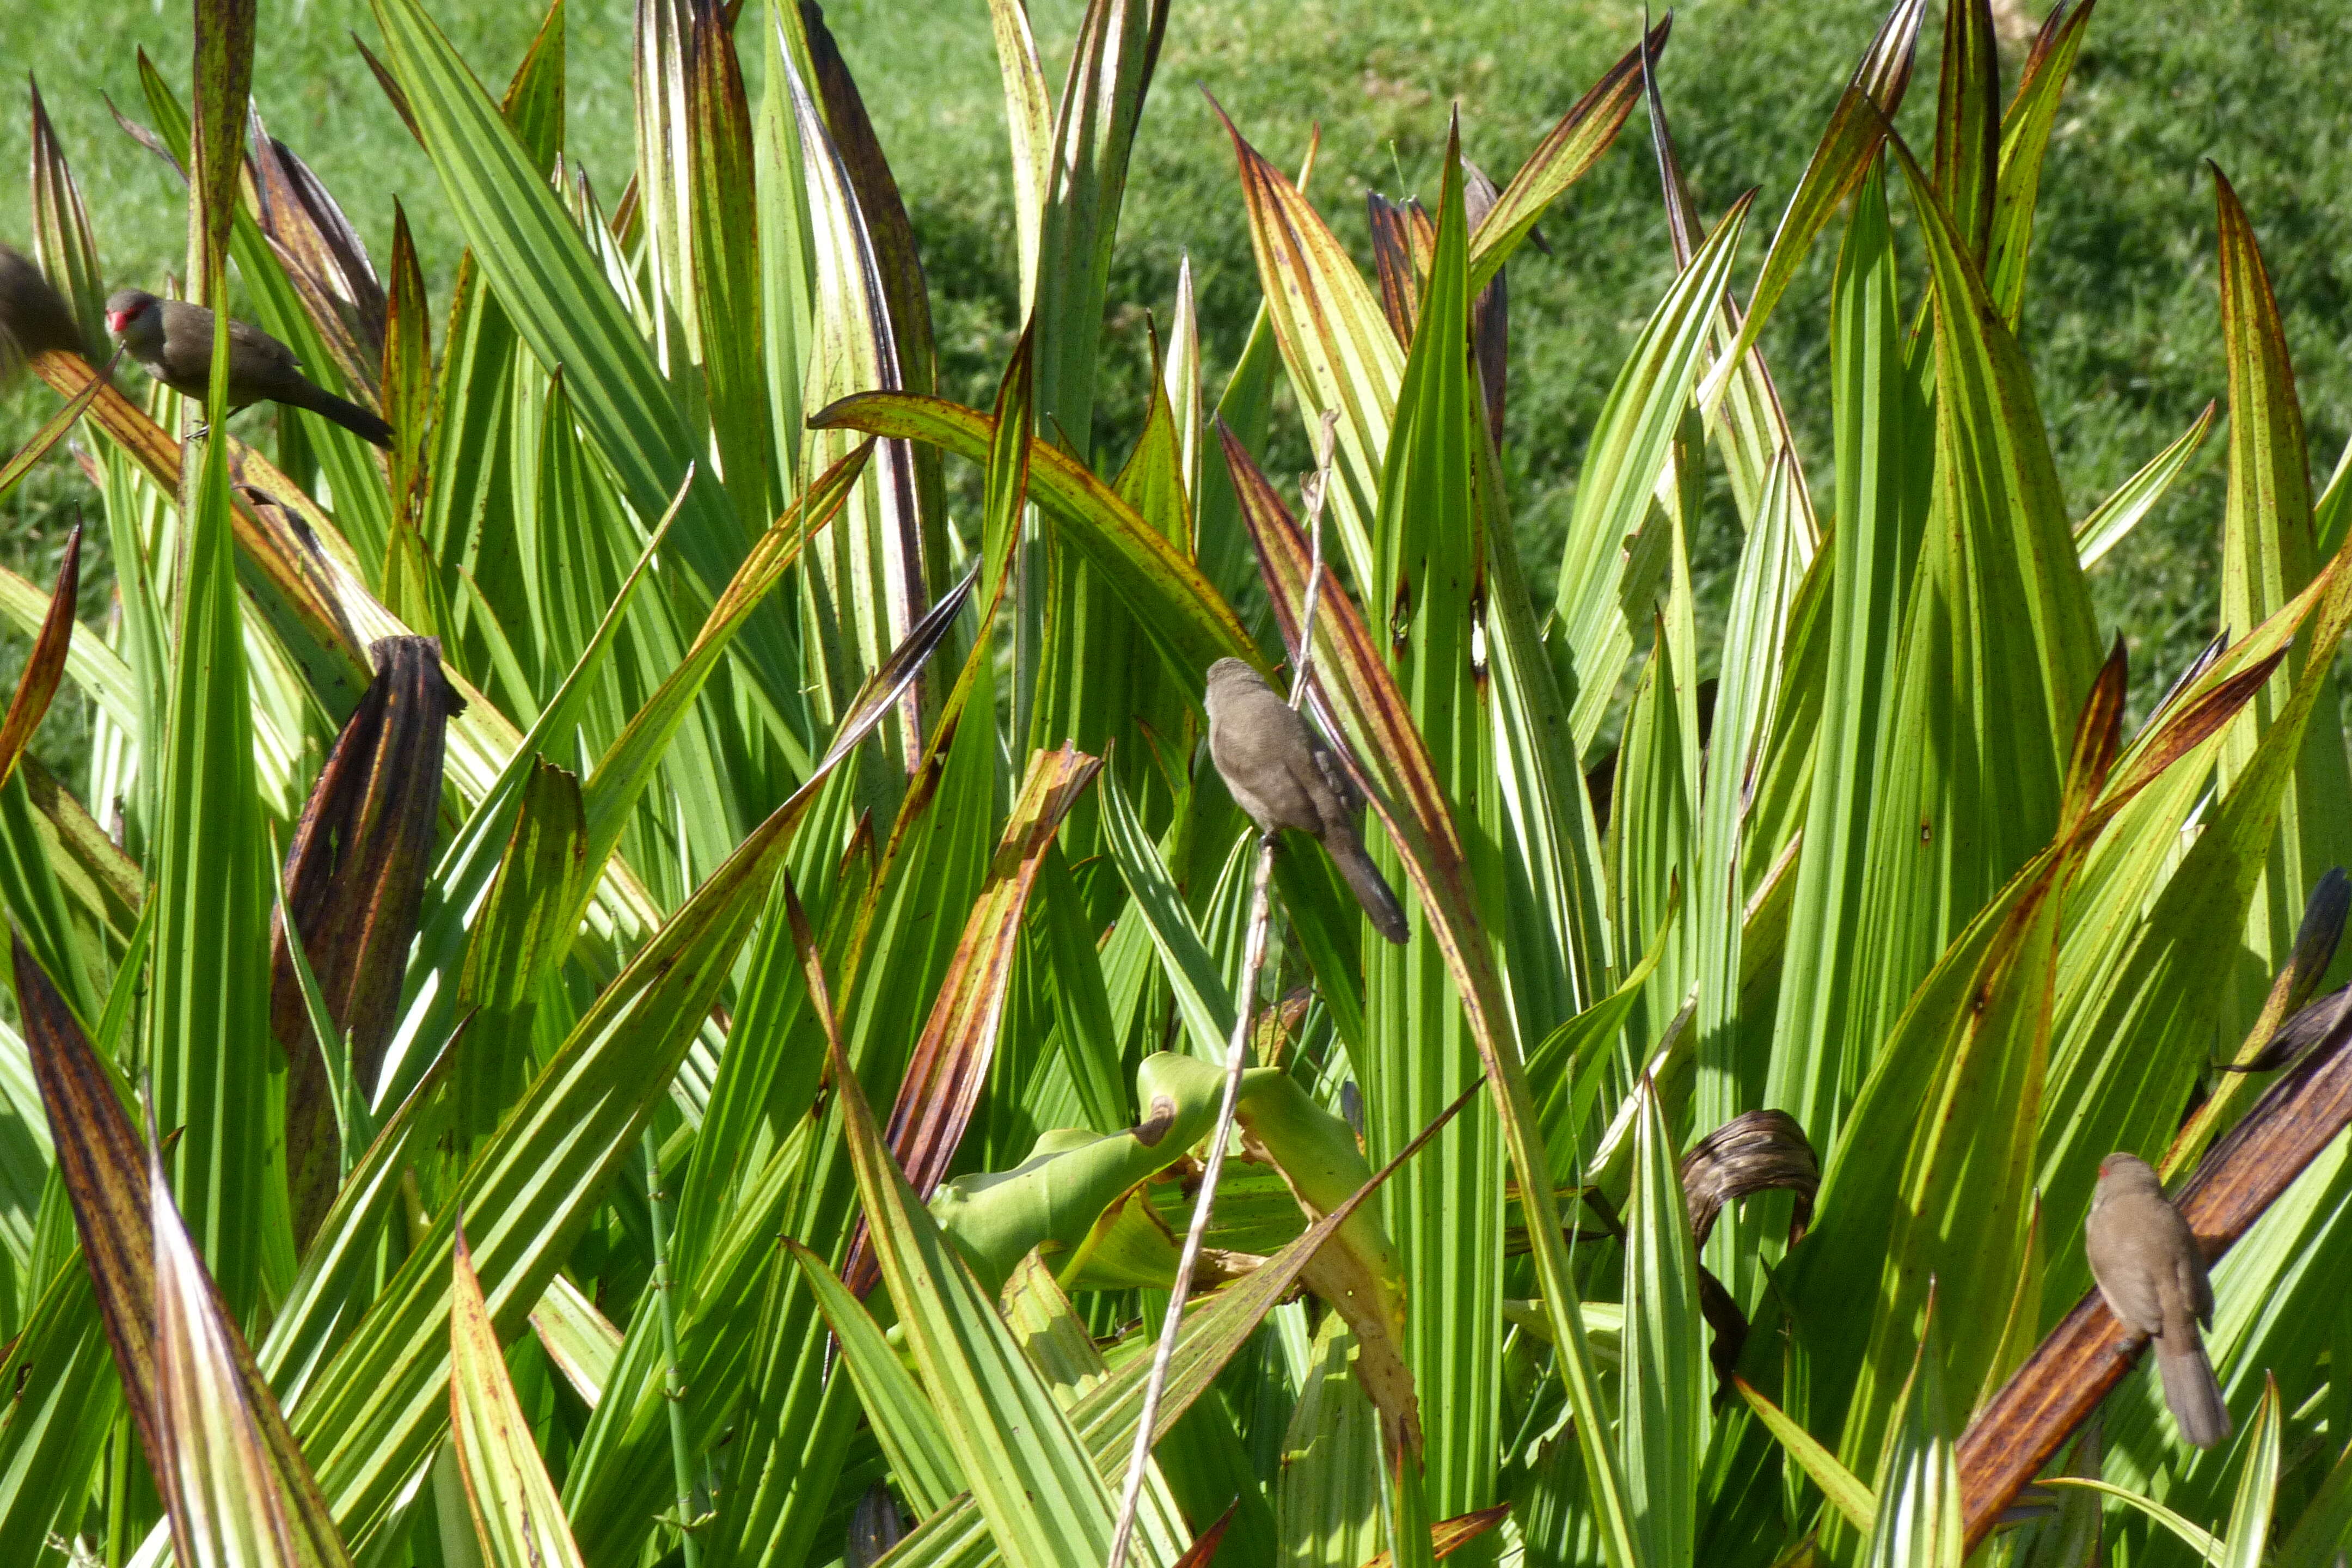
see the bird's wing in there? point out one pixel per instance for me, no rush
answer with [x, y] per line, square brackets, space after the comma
[2195, 1288]
[1332, 775]
[1256, 749]
[253, 337]
[2129, 1284]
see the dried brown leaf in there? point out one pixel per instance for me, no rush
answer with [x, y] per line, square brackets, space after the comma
[354, 880]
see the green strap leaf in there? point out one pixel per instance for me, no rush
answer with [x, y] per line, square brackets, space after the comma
[518, 1519]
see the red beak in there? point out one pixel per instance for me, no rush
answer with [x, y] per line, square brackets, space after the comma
[117, 319]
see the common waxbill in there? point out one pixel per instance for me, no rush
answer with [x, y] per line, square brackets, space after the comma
[2153, 1276]
[1280, 772]
[34, 316]
[174, 341]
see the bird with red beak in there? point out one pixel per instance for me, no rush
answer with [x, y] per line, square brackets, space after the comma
[174, 339]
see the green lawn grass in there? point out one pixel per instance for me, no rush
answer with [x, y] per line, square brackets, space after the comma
[2122, 322]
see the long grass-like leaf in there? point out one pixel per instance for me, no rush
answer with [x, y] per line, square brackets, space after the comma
[2115, 516]
[578, 1339]
[1966, 161]
[2025, 129]
[1665, 1401]
[324, 259]
[2325, 1522]
[1336, 342]
[1044, 1501]
[222, 81]
[1359, 693]
[51, 432]
[1750, 427]
[1111, 64]
[1029, 126]
[517, 942]
[1571, 147]
[213, 1469]
[725, 275]
[869, 578]
[951, 1062]
[2250, 1516]
[911, 1432]
[1848, 143]
[518, 1519]
[62, 238]
[2266, 560]
[336, 1282]
[1203, 1001]
[207, 1024]
[1622, 465]
[1845, 1491]
[65, 1404]
[1918, 1519]
[2198, 1539]
[106, 1172]
[529, 1190]
[97, 669]
[1188, 620]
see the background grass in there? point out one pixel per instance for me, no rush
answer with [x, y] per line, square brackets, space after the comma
[2122, 320]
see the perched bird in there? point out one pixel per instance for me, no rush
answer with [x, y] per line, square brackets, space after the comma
[2153, 1276]
[174, 341]
[1282, 773]
[34, 316]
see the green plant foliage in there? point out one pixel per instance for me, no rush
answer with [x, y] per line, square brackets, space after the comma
[724, 1073]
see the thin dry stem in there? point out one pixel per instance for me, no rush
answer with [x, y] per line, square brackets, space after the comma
[1237, 1051]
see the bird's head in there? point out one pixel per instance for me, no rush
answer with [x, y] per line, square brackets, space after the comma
[1227, 680]
[131, 310]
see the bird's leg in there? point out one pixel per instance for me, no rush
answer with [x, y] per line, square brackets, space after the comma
[203, 426]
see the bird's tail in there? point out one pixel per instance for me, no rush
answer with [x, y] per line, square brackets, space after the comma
[1381, 905]
[2191, 1390]
[350, 416]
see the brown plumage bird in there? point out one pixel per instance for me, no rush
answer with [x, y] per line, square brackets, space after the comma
[34, 316]
[1282, 773]
[2152, 1273]
[174, 341]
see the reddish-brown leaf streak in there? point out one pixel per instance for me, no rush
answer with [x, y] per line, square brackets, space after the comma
[103, 1163]
[46, 664]
[950, 1061]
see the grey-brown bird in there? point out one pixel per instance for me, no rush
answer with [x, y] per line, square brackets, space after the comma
[174, 341]
[2152, 1273]
[1282, 773]
[34, 316]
